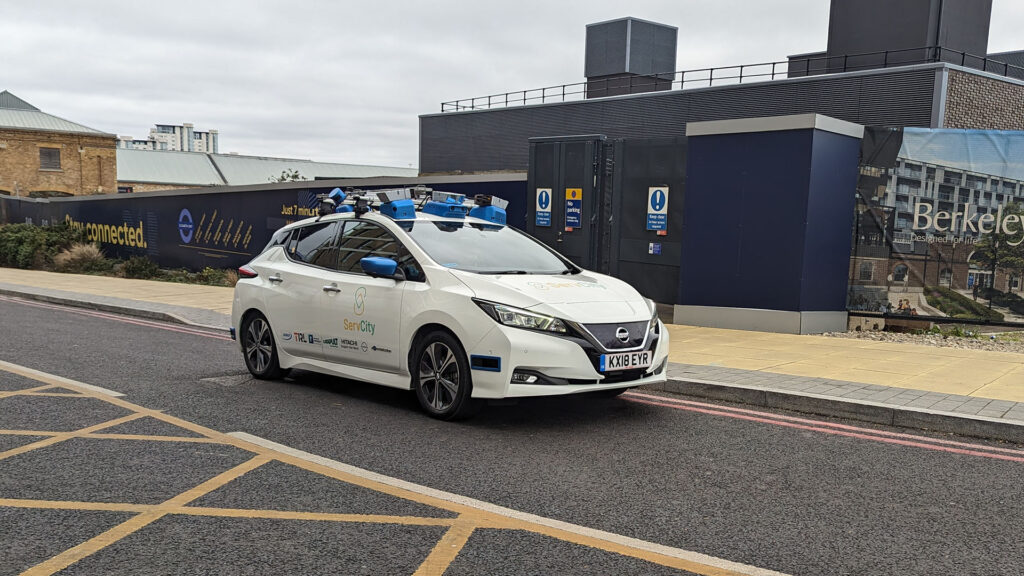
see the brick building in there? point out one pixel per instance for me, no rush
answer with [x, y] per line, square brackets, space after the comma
[42, 155]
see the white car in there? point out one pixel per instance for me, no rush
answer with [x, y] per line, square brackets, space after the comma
[444, 299]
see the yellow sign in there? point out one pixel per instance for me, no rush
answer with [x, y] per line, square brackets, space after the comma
[574, 193]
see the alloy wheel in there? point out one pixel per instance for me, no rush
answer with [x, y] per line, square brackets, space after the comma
[439, 376]
[259, 345]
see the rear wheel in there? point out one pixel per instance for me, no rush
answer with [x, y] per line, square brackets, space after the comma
[441, 377]
[259, 348]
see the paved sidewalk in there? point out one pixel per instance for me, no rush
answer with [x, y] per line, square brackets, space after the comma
[973, 392]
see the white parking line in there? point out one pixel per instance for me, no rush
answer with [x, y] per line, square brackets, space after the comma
[610, 537]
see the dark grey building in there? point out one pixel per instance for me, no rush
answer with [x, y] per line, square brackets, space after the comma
[938, 83]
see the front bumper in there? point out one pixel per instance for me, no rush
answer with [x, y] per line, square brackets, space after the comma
[568, 365]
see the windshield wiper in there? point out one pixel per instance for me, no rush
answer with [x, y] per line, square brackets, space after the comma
[508, 272]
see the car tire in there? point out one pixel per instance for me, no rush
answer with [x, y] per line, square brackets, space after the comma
[441, 377]
[259, 348]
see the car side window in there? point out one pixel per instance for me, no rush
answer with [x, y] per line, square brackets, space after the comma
[362, 239]
[314, 244]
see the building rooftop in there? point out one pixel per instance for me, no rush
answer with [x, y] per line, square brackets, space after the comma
[17, 114]
[202, 169]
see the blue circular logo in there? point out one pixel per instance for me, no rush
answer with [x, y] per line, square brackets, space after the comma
[185, 225]
[543, 199]
[658, 200]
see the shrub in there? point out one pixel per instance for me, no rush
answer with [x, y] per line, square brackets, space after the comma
[28, 246]
[957, 305]
[140, 267]
[1007, 300]
[211, 276]
[82, 258]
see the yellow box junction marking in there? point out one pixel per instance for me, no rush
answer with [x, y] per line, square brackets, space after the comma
[471, 514]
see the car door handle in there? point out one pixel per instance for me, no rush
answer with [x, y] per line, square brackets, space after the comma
[331, 288]
[275, 278]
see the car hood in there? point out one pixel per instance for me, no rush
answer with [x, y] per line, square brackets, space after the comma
[586, 297]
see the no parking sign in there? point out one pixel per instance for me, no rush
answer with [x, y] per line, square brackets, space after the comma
[657, 208]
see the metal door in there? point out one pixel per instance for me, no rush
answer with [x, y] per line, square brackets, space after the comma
[648, 171]
[563, 178]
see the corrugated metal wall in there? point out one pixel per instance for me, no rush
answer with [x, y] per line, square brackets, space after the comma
[497, 139]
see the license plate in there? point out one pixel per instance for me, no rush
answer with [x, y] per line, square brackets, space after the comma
[626, 361]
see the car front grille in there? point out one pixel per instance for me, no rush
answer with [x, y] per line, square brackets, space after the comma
[607, 334]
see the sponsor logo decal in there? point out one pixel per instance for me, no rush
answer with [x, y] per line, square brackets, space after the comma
[360, 301]
[364, 347]
[381, 349]
[359, 326]
[185, 225]
[287, 336]
[331, 342]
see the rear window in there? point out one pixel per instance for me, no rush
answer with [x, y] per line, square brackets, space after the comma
[314, 244]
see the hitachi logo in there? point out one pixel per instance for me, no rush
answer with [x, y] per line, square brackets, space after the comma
[968, 219]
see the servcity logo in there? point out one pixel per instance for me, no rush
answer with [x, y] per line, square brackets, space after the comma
[968, 220]
[359, 306]
[363, 326]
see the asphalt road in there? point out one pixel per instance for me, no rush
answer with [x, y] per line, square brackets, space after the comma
[799, 497]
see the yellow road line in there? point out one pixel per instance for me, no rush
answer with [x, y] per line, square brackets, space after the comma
[113, 436]
[311, 516]
[476, 514]
[136, 523]
[67, 436]
[225, 512]
[8, 393]
[75, 505]
[446, 550]
[58, 394]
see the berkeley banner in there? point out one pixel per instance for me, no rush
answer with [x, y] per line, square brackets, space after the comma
[939, 224]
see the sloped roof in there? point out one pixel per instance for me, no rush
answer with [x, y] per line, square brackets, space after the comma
[202, 169]
[20, 115]
[166, 167]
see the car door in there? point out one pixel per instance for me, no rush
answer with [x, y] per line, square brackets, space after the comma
[361, 320]
[297, 286]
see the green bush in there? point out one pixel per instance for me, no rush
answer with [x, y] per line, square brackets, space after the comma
[1004, 299]
[140, 267]
[28, 246]
[957, 305]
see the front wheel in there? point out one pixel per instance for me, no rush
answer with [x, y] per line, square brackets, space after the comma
[441, 377]
[259, 348]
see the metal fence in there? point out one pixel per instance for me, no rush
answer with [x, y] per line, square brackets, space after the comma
[799, 66]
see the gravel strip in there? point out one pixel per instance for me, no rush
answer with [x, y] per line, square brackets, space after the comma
[995, 343]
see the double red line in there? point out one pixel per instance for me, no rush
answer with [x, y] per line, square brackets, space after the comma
[833, 428]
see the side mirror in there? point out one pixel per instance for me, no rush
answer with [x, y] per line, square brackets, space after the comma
[379, 267]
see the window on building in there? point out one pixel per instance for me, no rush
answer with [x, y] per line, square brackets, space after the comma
[899, 273]
[867, 271]
[945, 277]
[49, 158]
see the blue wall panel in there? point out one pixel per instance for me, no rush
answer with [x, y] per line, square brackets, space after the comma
[830, 213]
[743, 224]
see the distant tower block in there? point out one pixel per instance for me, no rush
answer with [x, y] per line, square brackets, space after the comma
[629, 56]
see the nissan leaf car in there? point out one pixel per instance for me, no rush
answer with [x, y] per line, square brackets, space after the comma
[440, 297]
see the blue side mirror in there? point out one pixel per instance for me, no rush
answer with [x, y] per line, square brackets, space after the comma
[378, 266]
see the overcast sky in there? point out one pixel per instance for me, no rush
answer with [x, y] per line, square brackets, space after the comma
[346, 81]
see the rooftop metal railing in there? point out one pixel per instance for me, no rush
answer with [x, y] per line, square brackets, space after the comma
[798, 66]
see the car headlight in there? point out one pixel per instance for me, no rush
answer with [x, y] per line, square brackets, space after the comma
[653, 306]
[520, 318]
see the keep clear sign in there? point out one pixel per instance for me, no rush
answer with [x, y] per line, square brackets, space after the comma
[543, 206]
[657, 208]
[573, 208]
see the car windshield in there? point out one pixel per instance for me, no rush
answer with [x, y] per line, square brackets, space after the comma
[484, 249]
